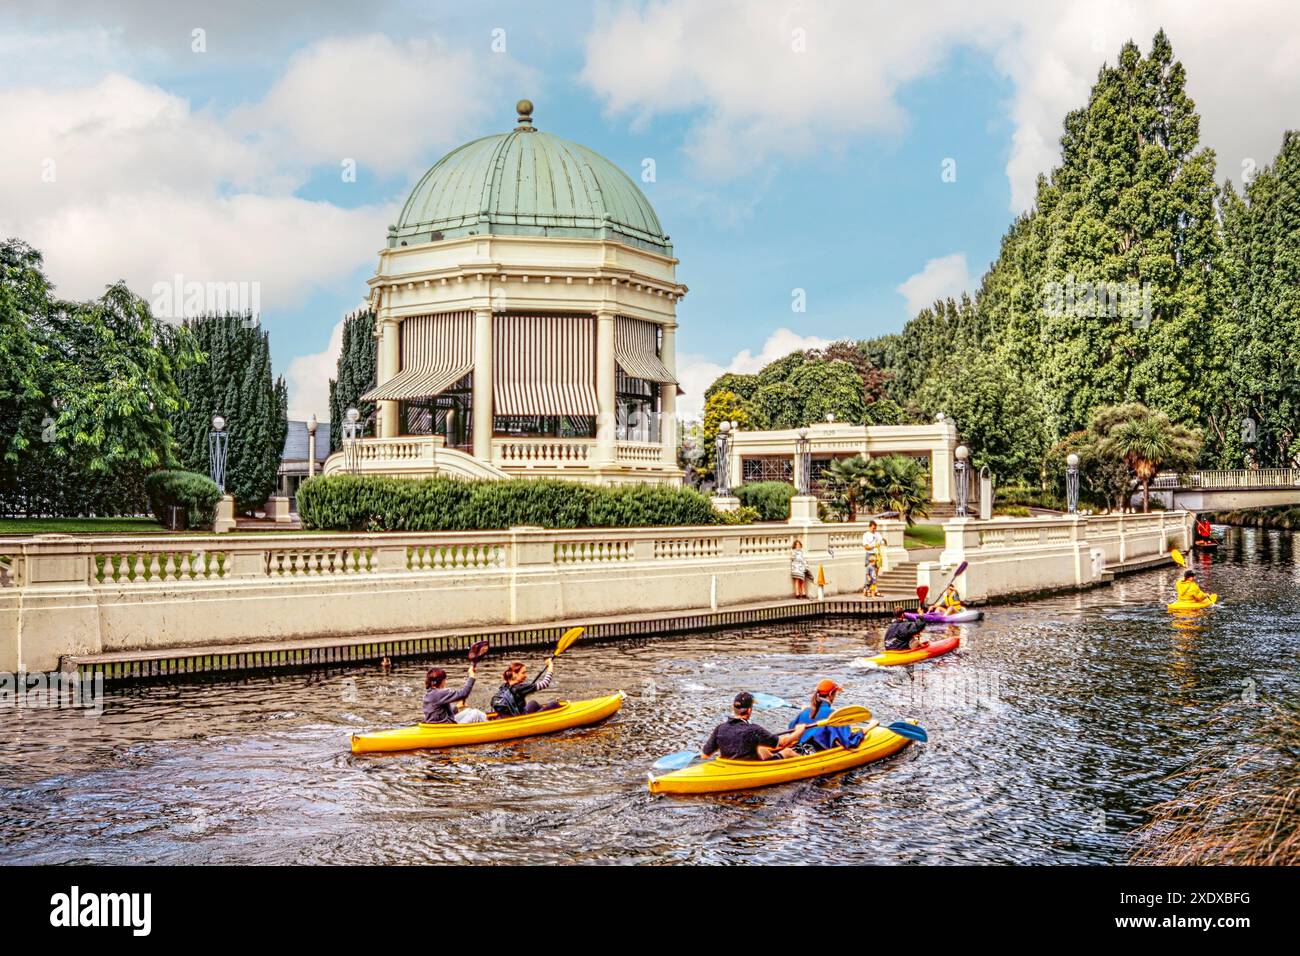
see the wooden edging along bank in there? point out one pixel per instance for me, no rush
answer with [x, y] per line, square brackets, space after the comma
[144, 665]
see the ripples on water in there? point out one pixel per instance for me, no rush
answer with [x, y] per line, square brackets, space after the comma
[1051, 730]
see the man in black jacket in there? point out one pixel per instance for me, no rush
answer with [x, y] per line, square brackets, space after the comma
[902, 634]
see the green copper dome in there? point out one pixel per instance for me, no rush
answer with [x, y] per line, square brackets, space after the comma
[527, 183]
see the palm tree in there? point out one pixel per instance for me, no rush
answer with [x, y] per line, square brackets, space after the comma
[1149, 440]
[899, 484]
[849, 480]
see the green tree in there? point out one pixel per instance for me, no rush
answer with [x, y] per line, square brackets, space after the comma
[898, 483]
[236, 382]
[24, 313]
[718, 408]
[1260, 390]
[357, 369]
[1145, 440]
[1000, 415]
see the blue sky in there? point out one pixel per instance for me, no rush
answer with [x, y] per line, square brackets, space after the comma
[797, 145]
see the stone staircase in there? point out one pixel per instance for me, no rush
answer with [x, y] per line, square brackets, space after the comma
[898, 581]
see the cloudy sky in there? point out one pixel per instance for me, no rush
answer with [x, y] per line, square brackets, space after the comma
[868, 154]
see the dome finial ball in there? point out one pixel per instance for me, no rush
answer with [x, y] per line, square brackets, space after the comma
[525, 109]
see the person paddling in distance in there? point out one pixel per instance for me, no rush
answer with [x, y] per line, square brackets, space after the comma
[1203, 530]
[738, 739]
[511, 698]
[799, 569]
[1188, 590]
[872, 541]
[442, 706]
[820, 706]
[949, 601]
[905, 635]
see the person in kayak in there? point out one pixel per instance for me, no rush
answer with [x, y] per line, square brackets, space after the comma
[1203, 530]
[511, 698]
[949, 601]
[872, 541]
[905, 635]
[441, 705]
[738, 739]
[1188, 590]
[820, 707]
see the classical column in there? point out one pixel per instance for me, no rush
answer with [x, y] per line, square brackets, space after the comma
[607, 415]
[668, 396]
[390, 362]
[483, 384]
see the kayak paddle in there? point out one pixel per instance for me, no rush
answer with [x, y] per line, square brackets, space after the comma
[769, 701]
[921, 593]
[911, 731]
[1178, 557]
[477, 651]
[841, 718]
[567, 639]
[955, 575]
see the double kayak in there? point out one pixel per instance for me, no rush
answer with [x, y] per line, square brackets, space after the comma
[721, 776]
[577, 713]
[924, 652]
[938, 617]
[1193, 605]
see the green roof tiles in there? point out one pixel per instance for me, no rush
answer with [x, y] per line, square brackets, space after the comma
[528, 183]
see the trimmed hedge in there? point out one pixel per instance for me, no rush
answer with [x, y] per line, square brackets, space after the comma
[771, 499]
[376, 503]
[197, 494]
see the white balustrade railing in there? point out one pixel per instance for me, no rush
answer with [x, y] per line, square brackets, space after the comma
[1227, 479]
[541, 452]
[639, 452]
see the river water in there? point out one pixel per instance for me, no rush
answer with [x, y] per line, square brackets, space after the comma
[1052, 729]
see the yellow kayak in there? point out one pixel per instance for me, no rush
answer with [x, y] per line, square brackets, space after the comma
[719, 775]
[577, 713]
[1192, 605]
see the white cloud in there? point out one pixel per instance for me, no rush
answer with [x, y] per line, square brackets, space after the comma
[755, 99]
[114, 178]
[939, 279]
[386, 103]
[696, 373]
[308, 379]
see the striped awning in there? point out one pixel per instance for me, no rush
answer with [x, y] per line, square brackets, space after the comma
[544, 365]
[437, 352]
[636, 350]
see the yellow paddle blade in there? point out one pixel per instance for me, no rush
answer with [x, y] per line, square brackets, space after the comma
[567, 639]
[1178, 557]
[843, 716]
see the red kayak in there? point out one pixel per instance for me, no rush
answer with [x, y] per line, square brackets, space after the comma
[924, 652]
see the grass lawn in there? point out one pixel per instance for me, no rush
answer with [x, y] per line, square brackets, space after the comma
[924, 536]
[78, 525]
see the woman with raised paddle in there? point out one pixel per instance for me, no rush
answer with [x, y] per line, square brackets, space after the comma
[442, 706]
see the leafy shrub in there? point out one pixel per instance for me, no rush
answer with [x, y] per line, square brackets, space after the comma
[197, 494]
[1012, 511]
[1026, 496]
[771, 499]
[742, 515]
[375, 503]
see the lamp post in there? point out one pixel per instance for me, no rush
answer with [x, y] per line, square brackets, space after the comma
[1072, 483]
[722, 472]
[311, 447]
[960, 469]
[352, 429]
[218, 443]
[803, 462]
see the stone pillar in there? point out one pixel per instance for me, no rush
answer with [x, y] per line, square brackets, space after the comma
[225, 517]
[482, 397]
[311, 450]
[668, 396]
[607, 410]
[803, 509]
[390, 362]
